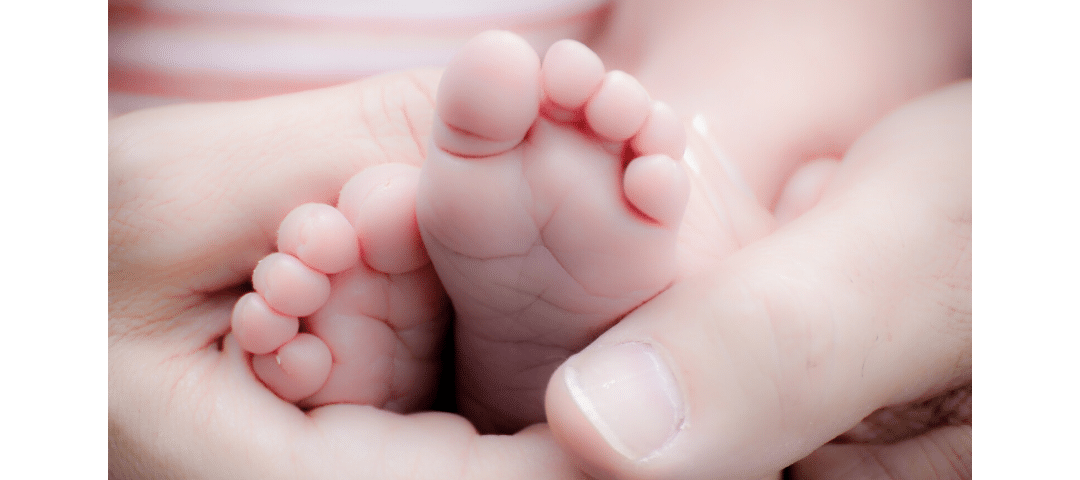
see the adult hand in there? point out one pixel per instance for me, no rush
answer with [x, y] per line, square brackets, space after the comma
[195, 197]
[863, 303]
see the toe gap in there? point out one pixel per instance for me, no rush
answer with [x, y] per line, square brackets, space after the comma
[637, 213]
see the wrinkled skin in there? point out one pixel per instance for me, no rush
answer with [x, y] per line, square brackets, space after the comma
[188, 219]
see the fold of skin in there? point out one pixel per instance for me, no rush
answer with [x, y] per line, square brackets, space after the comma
[195, 196]
[188, 221]
[862, 303]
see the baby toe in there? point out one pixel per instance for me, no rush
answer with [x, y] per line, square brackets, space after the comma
[297, 370]
[662, 133]
[380, 203]
[320, 236]
[258, 328]
[289, 286]
[619, 108]
[658, 187]
[488, 97]
[571, 73]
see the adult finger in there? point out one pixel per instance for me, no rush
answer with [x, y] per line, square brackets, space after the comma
[863, 302]
[196, 192]
[204, 415]
[929, 439]
[942, 453]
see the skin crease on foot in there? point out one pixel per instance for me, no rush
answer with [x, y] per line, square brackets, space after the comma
[188, 223]
[370, 320]
[583, 203]
[715, 220]
[551, 205]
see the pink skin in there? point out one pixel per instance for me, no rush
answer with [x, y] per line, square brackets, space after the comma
[550, 205]
[803, 190]
[765, 126]
[780, 84]
[358, 283]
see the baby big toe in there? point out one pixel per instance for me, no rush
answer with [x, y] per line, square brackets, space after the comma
[380, 203]
[488, 96]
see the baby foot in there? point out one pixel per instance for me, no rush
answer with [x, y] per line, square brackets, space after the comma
[349, 309]
[550, 206]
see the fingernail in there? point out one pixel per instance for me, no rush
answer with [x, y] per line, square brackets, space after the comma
[629, 395]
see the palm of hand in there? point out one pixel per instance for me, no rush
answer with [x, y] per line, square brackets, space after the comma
[186, 228]
[187, 225]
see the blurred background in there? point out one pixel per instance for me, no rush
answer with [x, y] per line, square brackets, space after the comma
[174, 51]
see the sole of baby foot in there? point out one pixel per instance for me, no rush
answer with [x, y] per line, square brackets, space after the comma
[349, 310]
[548, 217]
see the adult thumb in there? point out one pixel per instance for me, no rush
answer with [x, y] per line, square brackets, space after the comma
[862, 303]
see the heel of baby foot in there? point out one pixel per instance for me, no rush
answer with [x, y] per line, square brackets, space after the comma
[297, 370]
[488, 96]
[658, 187]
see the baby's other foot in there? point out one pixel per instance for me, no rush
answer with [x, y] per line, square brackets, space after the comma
[349, 309]
[549, 205]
